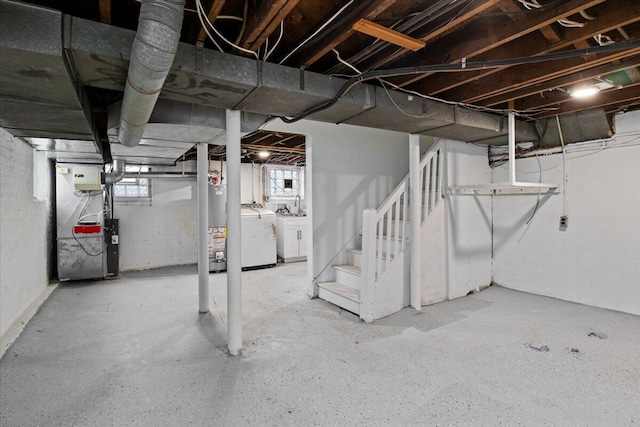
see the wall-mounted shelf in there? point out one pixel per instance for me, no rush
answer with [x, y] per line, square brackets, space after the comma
[503, 188]
[512, 186]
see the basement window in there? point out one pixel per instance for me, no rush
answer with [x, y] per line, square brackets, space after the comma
[135, 190]
[284, 182]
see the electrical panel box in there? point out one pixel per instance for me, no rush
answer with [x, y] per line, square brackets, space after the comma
[87, 181]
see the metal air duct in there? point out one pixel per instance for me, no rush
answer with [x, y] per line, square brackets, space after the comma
[116, 174]
[152, 54]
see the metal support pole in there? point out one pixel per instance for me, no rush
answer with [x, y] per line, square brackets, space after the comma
[414, 185]
[203, 225]
[512, 148]
[234, 264]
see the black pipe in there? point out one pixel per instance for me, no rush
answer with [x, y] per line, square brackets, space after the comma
[463, 66]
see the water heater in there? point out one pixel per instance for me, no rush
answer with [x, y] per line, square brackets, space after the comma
[217, 227]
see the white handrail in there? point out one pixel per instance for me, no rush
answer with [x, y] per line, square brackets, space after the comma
[391, 198]
[385, 229]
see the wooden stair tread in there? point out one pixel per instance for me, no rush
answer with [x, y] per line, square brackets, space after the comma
[348, 268]
[359, 252]
[342, 290]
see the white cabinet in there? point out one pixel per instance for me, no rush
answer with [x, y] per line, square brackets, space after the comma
[292, 238]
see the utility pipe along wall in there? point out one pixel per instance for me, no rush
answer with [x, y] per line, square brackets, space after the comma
[152, 54]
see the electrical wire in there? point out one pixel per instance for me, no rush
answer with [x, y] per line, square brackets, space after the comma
[204, 27]
[415, 116]
[534, 5]
[268, 54]
[564, 169]
[463, 66]
[535, 209]
[244, 22]
[315, 33]
[202, 11]
[411, 92]
[345, 62]
[73, 233]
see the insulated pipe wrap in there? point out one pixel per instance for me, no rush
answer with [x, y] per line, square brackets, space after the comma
[153, 51]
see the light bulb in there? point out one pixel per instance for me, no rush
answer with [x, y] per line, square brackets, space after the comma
[585, 91]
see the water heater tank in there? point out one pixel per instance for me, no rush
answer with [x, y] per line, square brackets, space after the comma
[217, 227]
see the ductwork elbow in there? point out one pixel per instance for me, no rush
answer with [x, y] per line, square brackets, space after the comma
[154, 49]
[116, 174]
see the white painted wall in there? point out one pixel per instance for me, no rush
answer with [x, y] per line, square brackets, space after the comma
[25, 227]
[596, 261]
[164, 233]
[352, 168]
[467, 220]
[161, 234]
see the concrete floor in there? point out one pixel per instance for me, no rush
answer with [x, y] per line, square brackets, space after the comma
[135, 351]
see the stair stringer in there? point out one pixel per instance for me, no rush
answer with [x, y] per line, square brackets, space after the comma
[387, 299]
[433, 278]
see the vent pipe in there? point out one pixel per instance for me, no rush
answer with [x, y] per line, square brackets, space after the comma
[152, 54]
[116, 174]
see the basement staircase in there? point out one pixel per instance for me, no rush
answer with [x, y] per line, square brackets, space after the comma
[373, 282]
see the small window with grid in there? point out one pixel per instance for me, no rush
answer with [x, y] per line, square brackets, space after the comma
[284, 182]
[133, 189]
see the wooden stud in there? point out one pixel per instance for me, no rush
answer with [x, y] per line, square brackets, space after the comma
[105, 11]
[383, 33]
[214, 11]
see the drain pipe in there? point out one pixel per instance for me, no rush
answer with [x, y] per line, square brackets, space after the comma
[116, 174]
[152, 54]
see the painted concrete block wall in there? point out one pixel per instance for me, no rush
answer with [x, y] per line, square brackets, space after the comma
[468, 220]
[24, 227]
[161, 234]
[352, 168]
[596, 261]
[164, 233]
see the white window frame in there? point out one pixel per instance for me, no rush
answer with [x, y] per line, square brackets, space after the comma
[268, 186]
[134, 182]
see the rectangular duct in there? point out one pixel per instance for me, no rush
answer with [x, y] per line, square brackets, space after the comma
[38, 96]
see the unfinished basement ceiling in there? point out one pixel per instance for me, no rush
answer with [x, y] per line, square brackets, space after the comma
[289, 36]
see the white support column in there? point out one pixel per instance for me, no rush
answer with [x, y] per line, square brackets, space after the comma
[234, 264]
[368, 267]
[512, 148]
[203, 225]
[414, 183]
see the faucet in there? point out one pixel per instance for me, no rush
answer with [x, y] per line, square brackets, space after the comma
[298, 202]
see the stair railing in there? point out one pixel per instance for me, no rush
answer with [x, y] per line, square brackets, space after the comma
[385, 231]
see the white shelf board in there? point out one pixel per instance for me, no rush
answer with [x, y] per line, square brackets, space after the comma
[503, 188]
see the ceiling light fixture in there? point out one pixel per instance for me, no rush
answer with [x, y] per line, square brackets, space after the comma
[584, 91]
[264, 154]
[383, 33]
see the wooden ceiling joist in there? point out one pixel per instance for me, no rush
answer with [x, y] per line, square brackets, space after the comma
[374, 9]
[105, 11]
[390, 36]
[468, 13]
[265, 20]
[516, 14]
[608, 19]
[274, 148]
[540, 95]
[213, 13]
[471, 48]
[497, 91]
[630, 95]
